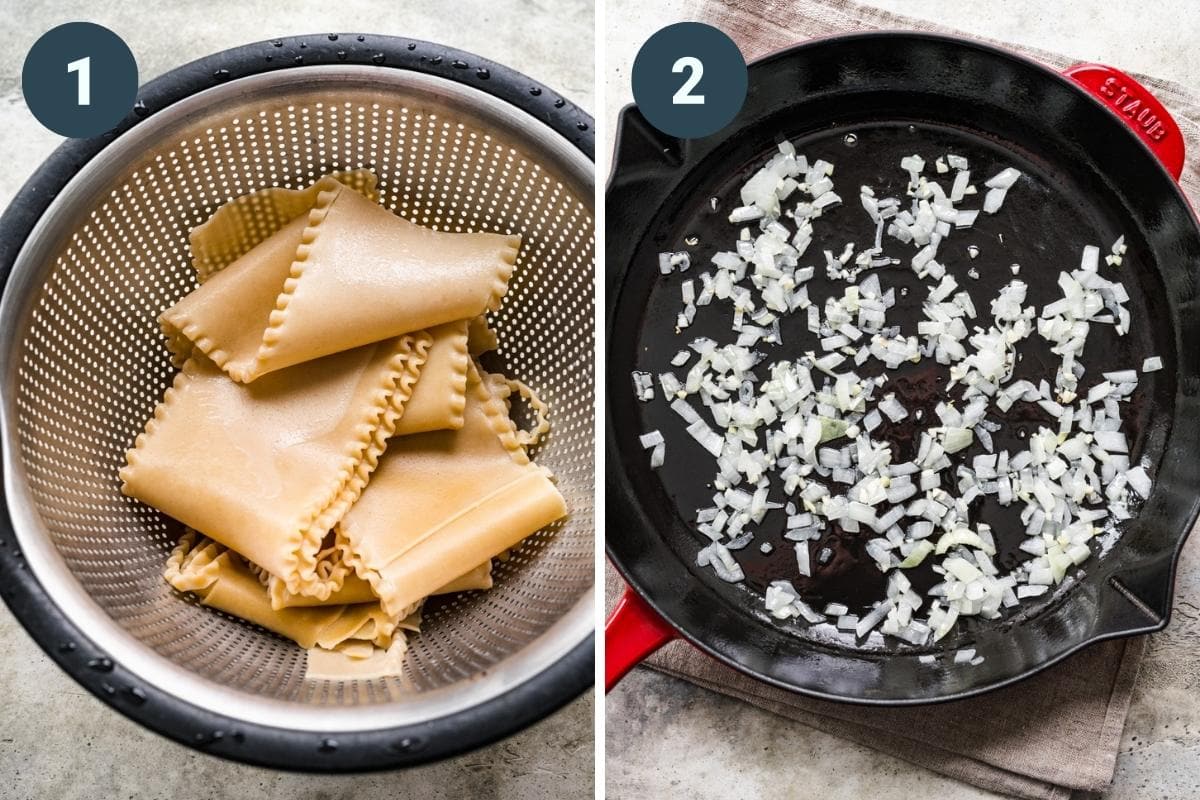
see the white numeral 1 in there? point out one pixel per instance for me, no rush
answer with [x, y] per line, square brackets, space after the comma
[684, 96]
[84, 67]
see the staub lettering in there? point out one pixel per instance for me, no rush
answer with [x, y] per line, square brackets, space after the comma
[1133, 108]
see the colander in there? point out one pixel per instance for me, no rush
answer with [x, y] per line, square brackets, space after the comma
[95, 246]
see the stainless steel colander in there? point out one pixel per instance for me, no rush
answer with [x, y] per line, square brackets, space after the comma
[458, 144]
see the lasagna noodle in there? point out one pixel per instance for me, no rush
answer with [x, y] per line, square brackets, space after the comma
[441, 502]
[246, 221]
[346, 273]
[481, 338]
[223, 580]
[478, 578]
[358, 590]
[345, 664]
[440, 395]
[267, 469]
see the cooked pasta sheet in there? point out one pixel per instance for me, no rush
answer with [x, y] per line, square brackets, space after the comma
[245, 222]
[268, 468]
[224, 580]
[438, 399]
[447, 498]
[354, 589]
[344, 273]
[334, 450]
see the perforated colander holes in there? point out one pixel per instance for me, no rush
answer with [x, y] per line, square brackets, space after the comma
[438, 180]
[444, 655]
[418, 170]
[469, 156]
[362, 135]
[512, 189]
[493, 630]
[303, 142]
[443, 197]
[374, 126]
[314, 135]
[214, 160]
[454, 177]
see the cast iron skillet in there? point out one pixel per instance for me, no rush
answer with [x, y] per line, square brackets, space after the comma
[1101, 155]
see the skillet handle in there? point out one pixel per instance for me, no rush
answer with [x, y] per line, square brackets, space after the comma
[1137, 108]
[633, 632]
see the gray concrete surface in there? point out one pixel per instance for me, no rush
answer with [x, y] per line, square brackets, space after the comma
[666, 738]
[56, 741]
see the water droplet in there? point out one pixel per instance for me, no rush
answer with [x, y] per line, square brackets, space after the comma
[140, 109]
[361, 38]
[435, 60]
[137, 695]
[341, 54]
[206, 738]
[458, 64]
[535, 91]
[378, 58]
[409, 744]
[303, 45]
[583, 126]
[328, 745]
[850, 139]
[912, 128]
[108, 689]
[66, 647]
[483, 73]
[270, 59]
[221, 75]
[692, 240]
[333, 37]
[298, 59]
[559, 103]
[277, 42]
[101, 664]
[412, 45]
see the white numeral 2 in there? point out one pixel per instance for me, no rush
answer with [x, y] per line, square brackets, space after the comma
[84, 67]
[684, 96]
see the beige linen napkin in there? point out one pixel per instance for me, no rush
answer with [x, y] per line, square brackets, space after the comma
[1041, 738]
[1045, 737]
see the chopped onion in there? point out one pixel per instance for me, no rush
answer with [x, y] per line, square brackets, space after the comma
[803, 426]
[802, 559]
[651, 439]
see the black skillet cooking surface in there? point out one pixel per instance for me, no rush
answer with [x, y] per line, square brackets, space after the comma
[863, 103]
[1043, 226]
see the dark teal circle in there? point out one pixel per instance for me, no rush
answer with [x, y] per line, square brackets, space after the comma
[722, 83]
[52, 93]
